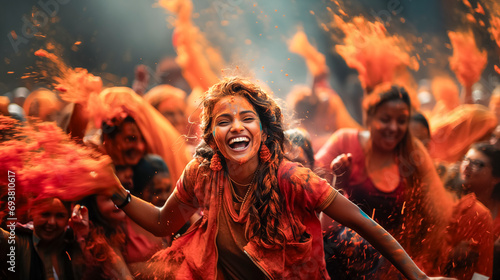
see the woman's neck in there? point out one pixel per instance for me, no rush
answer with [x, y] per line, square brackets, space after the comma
[243, 173]
[376, 154]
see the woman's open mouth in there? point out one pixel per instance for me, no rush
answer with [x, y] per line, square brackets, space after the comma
[239, 143]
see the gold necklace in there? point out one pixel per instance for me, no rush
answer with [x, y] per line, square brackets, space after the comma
[238, 198]
[235, 195]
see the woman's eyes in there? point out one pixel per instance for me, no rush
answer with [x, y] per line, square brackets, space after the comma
[227, 122]
[400, 121]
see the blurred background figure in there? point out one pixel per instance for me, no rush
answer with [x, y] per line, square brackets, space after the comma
[43, 104]
[298, 148]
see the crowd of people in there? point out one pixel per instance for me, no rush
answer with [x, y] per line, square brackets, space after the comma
[204, 177]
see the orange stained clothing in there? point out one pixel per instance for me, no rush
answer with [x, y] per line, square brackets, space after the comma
[496, 227]
[194, 255]
[471, 223]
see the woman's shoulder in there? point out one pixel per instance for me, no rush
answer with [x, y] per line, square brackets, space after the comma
[469, 208]
[296, 173]
[346, 133]
[344, 140]
[196, 165]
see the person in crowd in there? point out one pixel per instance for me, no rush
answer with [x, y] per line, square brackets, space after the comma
[123, 141]
[319, 108]
[419, 127]
[347, 255]
[155, 177]
[259, 210]
[106, 240]
[298, 148]
[46, 248]
[171, 103]
[390, 175]
[480, 173]
[43, 104]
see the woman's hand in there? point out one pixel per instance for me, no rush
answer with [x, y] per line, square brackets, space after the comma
[115, 188]
[341, 168]
[79, 222]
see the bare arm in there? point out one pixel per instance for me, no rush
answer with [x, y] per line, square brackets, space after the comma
[163, 221]
[345, 212]
[467, 95]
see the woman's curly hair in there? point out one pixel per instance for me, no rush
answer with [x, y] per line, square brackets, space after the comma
[266, 205]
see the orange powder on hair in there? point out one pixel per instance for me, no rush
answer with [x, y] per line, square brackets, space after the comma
[467, 61]
[376, 55]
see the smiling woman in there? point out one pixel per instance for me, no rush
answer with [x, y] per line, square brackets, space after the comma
[259, 211]
[390, 176]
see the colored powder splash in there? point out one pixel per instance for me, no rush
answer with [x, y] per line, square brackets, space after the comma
[495, 29]
[36, 151]
[446, 93]
[195, 55]
[467, 61]
[376, 55]
[315, 60]
[75, 85]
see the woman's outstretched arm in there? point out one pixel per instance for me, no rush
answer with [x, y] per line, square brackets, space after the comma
[345, 212]
[163, 221]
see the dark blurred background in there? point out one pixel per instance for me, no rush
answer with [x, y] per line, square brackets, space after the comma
[117, 35]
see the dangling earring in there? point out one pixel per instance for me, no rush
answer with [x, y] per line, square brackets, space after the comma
[215, 164]
[265, 154]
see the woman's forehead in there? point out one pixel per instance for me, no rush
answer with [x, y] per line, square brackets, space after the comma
[232, 105]
[50, 205]
[476, 154]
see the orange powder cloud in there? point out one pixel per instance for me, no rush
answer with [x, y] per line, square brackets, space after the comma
[467, 61]
[377, 56]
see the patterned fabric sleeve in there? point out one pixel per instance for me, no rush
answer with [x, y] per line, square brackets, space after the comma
[306, 188]
[184, 189]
